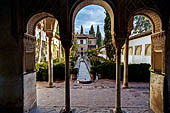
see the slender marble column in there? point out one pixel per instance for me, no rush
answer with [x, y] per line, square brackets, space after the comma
[118, 74]
[67, 81]
[125, 78]
[50, 63]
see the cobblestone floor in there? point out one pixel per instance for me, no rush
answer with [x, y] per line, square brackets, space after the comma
[92, 98]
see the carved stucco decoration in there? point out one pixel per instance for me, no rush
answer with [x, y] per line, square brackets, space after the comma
[34, 20]
[29, 53]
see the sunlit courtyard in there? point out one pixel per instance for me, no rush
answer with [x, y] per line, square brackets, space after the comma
[97, 97]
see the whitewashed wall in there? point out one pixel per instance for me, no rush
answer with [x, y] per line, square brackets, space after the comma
[136, 59]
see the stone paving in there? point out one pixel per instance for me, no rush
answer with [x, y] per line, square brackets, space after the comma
[96, 97]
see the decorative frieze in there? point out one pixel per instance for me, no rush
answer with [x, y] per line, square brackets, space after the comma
[29, 43]
[29, 53]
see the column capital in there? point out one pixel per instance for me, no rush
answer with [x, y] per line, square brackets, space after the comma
[120, 43]
[66, 40]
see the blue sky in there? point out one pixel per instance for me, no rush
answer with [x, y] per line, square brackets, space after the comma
[90, 15]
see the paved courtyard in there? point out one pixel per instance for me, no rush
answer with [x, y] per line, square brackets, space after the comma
[96, 97]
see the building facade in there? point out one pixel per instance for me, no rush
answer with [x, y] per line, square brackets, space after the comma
[85, 42]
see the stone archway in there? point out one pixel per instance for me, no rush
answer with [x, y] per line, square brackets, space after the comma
[29, 42]
[158, 78]
[34, 20]
[152, 16]
[77, 7]
[110, 9]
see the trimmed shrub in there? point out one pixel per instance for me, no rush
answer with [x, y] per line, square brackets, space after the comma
[93, 70]
[42, 71]
[136, 72]
[139, 72]
[59, 71]
[109, 70]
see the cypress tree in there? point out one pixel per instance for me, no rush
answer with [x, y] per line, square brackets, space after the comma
[110, 50]
[91, 32]
[81, 32]
[99, 37]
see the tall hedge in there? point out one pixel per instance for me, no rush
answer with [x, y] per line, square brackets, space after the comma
[136, 72]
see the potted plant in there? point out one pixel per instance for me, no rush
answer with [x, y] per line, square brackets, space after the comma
[74, 72]
[93, 73]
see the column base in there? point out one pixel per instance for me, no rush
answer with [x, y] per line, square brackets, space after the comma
[117, 110]
[64, 111]
[125, 86]
[50, 85]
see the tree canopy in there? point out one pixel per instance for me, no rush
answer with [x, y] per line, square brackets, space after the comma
[141, 24]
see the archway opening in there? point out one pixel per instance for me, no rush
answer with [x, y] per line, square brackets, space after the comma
[89, 19]
[43, 60]
[153, 47]
[136, 54]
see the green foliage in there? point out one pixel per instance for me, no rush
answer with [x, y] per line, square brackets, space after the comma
[59, 71]
[99, 37]
[58, 60]
[136, 72]
[42, 71]
[73, 60]
[139, 72]
[110, 49]
[93, 70]
[107, 69]
[95, 61]
[74, 71]
[81, 32]
[141, 24]
[92, 52]
[92, 32]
